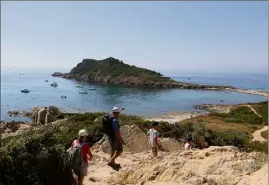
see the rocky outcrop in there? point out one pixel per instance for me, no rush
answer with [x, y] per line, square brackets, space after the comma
[13, 128]
[58, 74]
[45, 115]
[258, 178]
[214, 108]
[215, 165]
[16, 113]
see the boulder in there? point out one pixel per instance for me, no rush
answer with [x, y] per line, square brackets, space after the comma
[134, 138]
[41, 116]
[54, 110]
[35, 116]
[170, 144]
[49, 118]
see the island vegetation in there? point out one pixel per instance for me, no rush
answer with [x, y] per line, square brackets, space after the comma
[114, 71]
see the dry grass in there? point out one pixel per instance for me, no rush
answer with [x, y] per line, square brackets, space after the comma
[219, 125]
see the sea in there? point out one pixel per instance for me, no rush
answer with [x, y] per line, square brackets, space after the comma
[136, 101]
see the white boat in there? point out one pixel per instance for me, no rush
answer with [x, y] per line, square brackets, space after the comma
[83, 92]
[54, 84]
[92, 89]
[25, 91]
[79, 86]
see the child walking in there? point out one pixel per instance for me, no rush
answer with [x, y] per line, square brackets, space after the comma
[153, 138]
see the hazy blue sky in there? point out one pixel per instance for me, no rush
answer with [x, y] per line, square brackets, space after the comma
[165, 36]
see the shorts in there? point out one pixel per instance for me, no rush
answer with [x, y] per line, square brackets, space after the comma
[115, 145]
[154, 150]
[83, 170]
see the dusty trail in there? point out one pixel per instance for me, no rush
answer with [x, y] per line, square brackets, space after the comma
[257, 134]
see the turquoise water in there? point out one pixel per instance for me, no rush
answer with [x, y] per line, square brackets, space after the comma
[136, 101]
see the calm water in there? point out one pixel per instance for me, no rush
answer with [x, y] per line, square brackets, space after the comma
[136, 100]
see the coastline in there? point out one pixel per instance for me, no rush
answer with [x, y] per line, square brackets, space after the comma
[172, 85]
[174, 117]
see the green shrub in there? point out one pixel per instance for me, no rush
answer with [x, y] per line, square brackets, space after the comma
[35, 158]
[257, 146]
[240, 115]
[262, 109]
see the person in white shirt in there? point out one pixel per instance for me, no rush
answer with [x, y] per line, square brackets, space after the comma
[189, 143]
[153, 138]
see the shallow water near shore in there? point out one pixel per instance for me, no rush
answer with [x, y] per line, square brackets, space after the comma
[138, 101]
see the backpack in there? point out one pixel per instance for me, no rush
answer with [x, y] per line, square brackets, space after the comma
[107, 125]
[75, 157]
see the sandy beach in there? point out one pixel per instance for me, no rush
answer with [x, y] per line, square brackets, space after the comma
[174, 117]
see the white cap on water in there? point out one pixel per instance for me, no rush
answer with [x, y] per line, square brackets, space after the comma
[117, 109]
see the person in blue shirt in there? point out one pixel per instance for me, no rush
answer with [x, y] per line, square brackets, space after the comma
[116, 142]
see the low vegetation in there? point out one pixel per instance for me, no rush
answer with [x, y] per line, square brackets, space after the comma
[115, 70]
[241, 114]
[262, 109]
[39, 157]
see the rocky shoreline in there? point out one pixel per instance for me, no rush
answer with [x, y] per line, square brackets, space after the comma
[172, 84]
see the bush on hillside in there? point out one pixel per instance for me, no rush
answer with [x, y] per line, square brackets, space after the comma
[240, 115]
[262, 109]
[35, 158]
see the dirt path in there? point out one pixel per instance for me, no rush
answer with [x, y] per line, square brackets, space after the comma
[257, 134]
[249, 106]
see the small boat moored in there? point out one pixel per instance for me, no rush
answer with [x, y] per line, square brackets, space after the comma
[79, 86]
[54, 84]
[46, 80]
[63, 96]
[83, 92]
[25, 91]
[92, 89]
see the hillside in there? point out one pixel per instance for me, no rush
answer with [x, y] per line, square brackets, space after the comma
[42, 158]
[114, 71]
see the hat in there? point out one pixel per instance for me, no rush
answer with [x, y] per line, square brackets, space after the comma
[117, 109]
[189, 138]
[82, 132]
[155, 123]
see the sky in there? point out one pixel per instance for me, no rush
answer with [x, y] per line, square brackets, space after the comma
[170, 37]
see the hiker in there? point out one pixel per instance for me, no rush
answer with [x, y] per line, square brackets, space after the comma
[80, 166]
[202, 143]
[153, 138]
[189, 143]
[115, 140]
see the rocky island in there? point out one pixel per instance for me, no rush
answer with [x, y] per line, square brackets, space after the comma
[114, 71]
